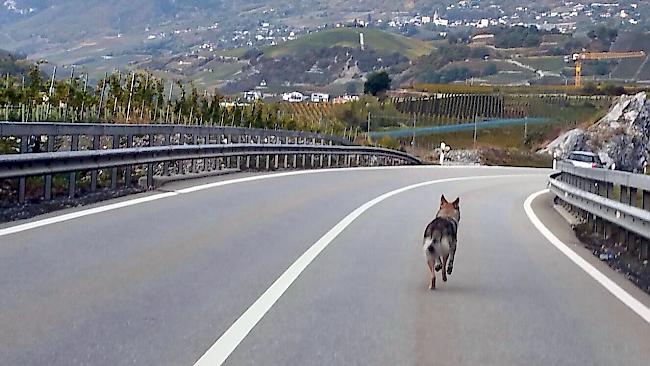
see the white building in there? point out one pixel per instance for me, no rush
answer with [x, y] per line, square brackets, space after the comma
[320, 98]
[438, 21]
[252, 95]
[293, 97]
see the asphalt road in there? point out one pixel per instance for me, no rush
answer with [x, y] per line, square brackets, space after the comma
[159, 282]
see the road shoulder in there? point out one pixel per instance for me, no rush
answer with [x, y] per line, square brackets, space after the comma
[543, 208]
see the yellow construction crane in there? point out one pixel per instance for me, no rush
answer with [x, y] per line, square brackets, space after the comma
[583, 56]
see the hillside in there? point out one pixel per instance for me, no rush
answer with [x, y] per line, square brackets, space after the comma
[376, 40]
[11, 64]
[635, 68]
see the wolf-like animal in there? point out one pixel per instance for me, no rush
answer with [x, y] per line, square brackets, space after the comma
[440, 238]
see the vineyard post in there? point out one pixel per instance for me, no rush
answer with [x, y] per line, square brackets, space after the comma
[101, 95]
[83, 101]
[525, 128]
[169, 101]
[368, 126]
[413, 138]
[475, 129]
[128, 108]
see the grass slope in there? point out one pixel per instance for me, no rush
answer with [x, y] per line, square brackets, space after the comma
[380, 41]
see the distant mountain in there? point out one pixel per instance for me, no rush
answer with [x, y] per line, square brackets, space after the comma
[33, 24]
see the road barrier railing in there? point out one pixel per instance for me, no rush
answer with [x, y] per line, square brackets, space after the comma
[184, 159]
[44, 136]
[612, 202]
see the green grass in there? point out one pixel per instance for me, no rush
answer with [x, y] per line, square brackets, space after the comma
[380, 41]
[545, 63]
[510, 78]
[479, 65]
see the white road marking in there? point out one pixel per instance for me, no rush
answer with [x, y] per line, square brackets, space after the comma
[316, 171]
[235, 334]
[82, 213]
[135, 201]
[611, 286]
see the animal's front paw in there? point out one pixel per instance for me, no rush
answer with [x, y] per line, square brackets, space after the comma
[449, 269]
[438, 267]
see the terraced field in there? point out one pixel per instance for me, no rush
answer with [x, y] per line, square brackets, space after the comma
[380, 41]
[553, 64]
[636, 68]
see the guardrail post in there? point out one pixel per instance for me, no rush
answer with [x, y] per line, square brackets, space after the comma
[268, 161]
[167, 140]
[646, 200]
[623, 197]
[632, 197]
[127, 170]
[72, 177]
[22, 181]
[193, 161]
[48, 178]
[93, 173]
[116, 145]
[329, 160]
[295, 160]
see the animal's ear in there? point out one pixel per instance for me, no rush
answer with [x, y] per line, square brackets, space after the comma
[443, 200]
[456, 203]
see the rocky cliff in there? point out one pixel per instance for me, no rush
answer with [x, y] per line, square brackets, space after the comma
[621, 137]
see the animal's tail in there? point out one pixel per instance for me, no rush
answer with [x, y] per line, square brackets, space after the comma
[429, 244]
[430, 241]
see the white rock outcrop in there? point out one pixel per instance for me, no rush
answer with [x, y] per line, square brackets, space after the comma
[621, 137]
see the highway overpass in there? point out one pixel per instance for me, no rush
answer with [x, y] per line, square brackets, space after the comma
[319, 267]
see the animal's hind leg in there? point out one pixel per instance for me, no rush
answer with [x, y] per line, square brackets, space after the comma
[432, 284]
[452, 255]
[444, 266]
[438, 266]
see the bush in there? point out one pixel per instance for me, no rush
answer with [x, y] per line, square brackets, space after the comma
[377, 83]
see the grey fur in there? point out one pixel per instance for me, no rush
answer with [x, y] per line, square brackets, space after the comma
[440, 239]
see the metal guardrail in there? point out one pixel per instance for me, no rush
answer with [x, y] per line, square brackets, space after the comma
[607, 199]
[162, 134]
[208, 157]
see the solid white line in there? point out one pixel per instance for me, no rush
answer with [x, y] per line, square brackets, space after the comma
[317, 171]
[113, 206]
[611, 286]
[82, 213]
[235, 334]
[135, 201]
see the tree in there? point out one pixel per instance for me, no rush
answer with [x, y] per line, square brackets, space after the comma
[351, 88]
[377, 83]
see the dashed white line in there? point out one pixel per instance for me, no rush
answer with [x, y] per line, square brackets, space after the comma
[611, 286]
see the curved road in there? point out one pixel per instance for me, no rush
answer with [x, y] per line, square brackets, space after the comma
[160, 281]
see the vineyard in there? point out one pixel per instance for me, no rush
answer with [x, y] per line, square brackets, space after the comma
[309, 112]
[141, 97]
[461, 108]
